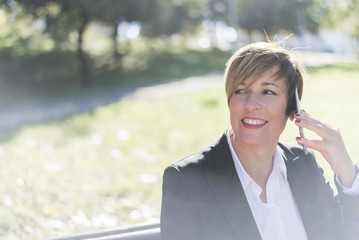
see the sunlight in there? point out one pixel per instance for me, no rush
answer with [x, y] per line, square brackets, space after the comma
[129, 30]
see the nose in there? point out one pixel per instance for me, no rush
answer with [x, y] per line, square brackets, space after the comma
[252, 102]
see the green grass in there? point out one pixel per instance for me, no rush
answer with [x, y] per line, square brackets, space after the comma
[103, 168]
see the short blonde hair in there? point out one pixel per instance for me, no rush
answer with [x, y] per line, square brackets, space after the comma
[252, 61]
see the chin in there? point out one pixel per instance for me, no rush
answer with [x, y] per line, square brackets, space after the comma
[252, 141]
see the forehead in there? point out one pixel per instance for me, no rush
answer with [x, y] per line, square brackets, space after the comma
[271, 76]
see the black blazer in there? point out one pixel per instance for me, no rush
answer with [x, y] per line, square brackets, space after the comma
[203, 199]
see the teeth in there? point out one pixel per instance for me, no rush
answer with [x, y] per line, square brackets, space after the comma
[253, 122]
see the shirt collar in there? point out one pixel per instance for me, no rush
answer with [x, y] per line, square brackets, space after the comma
[279, 166]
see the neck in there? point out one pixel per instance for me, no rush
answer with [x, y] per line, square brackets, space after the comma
[256, 160]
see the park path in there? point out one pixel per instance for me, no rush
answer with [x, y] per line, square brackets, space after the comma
[32, 113]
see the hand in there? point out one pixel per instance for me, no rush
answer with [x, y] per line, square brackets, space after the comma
[331, 146]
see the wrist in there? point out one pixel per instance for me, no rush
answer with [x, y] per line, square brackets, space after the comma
[348, 176]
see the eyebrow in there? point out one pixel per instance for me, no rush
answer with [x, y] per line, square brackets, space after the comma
[263, 84]
[270, 84]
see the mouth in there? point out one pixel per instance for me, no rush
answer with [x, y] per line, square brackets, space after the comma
[253, 123]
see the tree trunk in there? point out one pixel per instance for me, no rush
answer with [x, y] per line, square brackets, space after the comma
[84, 70]
[116, 54]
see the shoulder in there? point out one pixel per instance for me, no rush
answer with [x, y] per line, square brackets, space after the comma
[187, 173]
[195, 160]
[304, 164]
[294, 155]
[202, 159]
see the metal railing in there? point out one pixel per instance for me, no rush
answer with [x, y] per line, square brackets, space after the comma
[148, 231]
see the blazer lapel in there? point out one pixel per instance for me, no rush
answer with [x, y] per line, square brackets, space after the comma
[299, 176]
[226, 186]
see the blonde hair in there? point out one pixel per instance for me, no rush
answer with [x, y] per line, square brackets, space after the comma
[252, 61]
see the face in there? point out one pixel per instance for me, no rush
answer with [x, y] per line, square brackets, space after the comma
[258, 112]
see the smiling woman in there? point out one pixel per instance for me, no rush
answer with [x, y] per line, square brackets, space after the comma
[248, 185]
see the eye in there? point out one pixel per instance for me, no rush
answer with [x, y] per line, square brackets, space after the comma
[239, 91]
[269, 92]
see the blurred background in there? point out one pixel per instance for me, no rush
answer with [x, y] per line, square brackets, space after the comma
[97, 97]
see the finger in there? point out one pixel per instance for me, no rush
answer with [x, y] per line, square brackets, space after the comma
[304, 116]
[313, 123]
[317, 145]
[319, 128]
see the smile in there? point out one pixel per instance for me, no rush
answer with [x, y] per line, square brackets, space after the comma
[253, 123]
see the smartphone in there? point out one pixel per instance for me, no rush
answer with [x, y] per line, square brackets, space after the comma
[300, 129]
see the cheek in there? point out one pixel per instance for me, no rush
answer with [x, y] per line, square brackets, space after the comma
[234, 113]
[279, 109]
[282, 112]
[281, 105]
[234, 107]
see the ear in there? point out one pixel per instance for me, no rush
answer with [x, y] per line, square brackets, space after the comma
[291, 115]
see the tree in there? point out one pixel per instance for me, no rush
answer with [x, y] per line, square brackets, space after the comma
[79, 13]
[173, 16]
[61, 17]
[268, 17]
[114, 12]
[275, 15]
[338, 14]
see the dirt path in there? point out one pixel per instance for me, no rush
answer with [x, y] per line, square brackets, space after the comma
[28, 113]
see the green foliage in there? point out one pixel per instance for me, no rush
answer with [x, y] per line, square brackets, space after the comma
[45, 68]
[157, 17]
[50, 74]
[174, 16]
[164, 18]
[272, 16]
[159, 59]
[64, 24]
[35, 77]
[340, 14]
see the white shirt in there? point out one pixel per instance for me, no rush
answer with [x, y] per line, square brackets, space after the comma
[279, 218]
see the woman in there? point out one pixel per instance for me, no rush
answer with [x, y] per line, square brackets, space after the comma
[249, 186]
